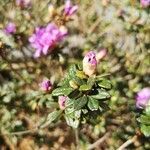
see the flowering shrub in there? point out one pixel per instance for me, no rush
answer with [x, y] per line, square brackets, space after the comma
[143, 102]
[46, 38]
[81, 93]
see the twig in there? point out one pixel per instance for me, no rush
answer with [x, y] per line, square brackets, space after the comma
[127, 143]
[99, 141]
[76, 138]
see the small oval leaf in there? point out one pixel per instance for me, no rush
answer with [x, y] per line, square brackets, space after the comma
[62, 91]
[102, 94]
[93, 104]
[85, 87]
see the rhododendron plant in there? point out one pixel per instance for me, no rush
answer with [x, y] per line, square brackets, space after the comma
[80, 95]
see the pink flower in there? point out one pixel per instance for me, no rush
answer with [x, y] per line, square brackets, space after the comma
[101, 54]
[23, 3]
[46, 38]
[142, 98]
[89, 63]
[10, 28]
[145, 3]
[61, 101]
[46, 85]
[69, 8]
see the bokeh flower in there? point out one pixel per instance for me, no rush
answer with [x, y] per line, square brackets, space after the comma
[23, 3]
[101, 54]
[46, 38]
[46, 85]
[89, 63]
[145, 3]
[10, 28]
[69, 8]
[143, 97]
[61, 102]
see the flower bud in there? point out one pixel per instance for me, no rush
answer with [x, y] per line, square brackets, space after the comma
[10, 28]
[46, 85]
[70, 9]
[142, 98]
[145, 3]
[73, 84]
[89, 63]
[61, 102]
[51, 10]
[101, 54]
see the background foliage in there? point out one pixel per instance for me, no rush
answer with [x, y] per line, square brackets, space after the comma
[122, 27]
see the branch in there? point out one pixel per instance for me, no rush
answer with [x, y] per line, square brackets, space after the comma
[99, 141]
[127, 143]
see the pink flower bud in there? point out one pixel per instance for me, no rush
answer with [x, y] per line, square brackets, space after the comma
[145, 3]
[142, 98]
[61, 101]
[101, 54]
[10, 28]
[89, 63]
[69, 8]
[23, 3]
[46, 85]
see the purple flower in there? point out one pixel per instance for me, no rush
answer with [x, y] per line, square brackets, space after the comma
[10, 28]
[61, 101]
[46, 38]
[23, 3]
[143, 97]
[69, 8]
[46, 85]
[89, 63]
[145, 3]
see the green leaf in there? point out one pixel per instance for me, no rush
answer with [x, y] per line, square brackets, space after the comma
[69, 102]
[145, 119]
[62, 91]
[64, 82]
[105, 84]
[147, 110]
[72, 71]
[80, 103]
[91, 81]
[77, 114]
[81, 74]
[85, 87]
[73, 84]
[50, 104]
[102, 94]
[100, 77]
[93, 104]
[52, 117]
[145, 130]
[72, 122]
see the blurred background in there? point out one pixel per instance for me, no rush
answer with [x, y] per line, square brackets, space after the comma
[120, 27]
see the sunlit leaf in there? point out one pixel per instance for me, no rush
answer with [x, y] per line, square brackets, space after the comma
[62, 91]
[93, 104]
[80, 103]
